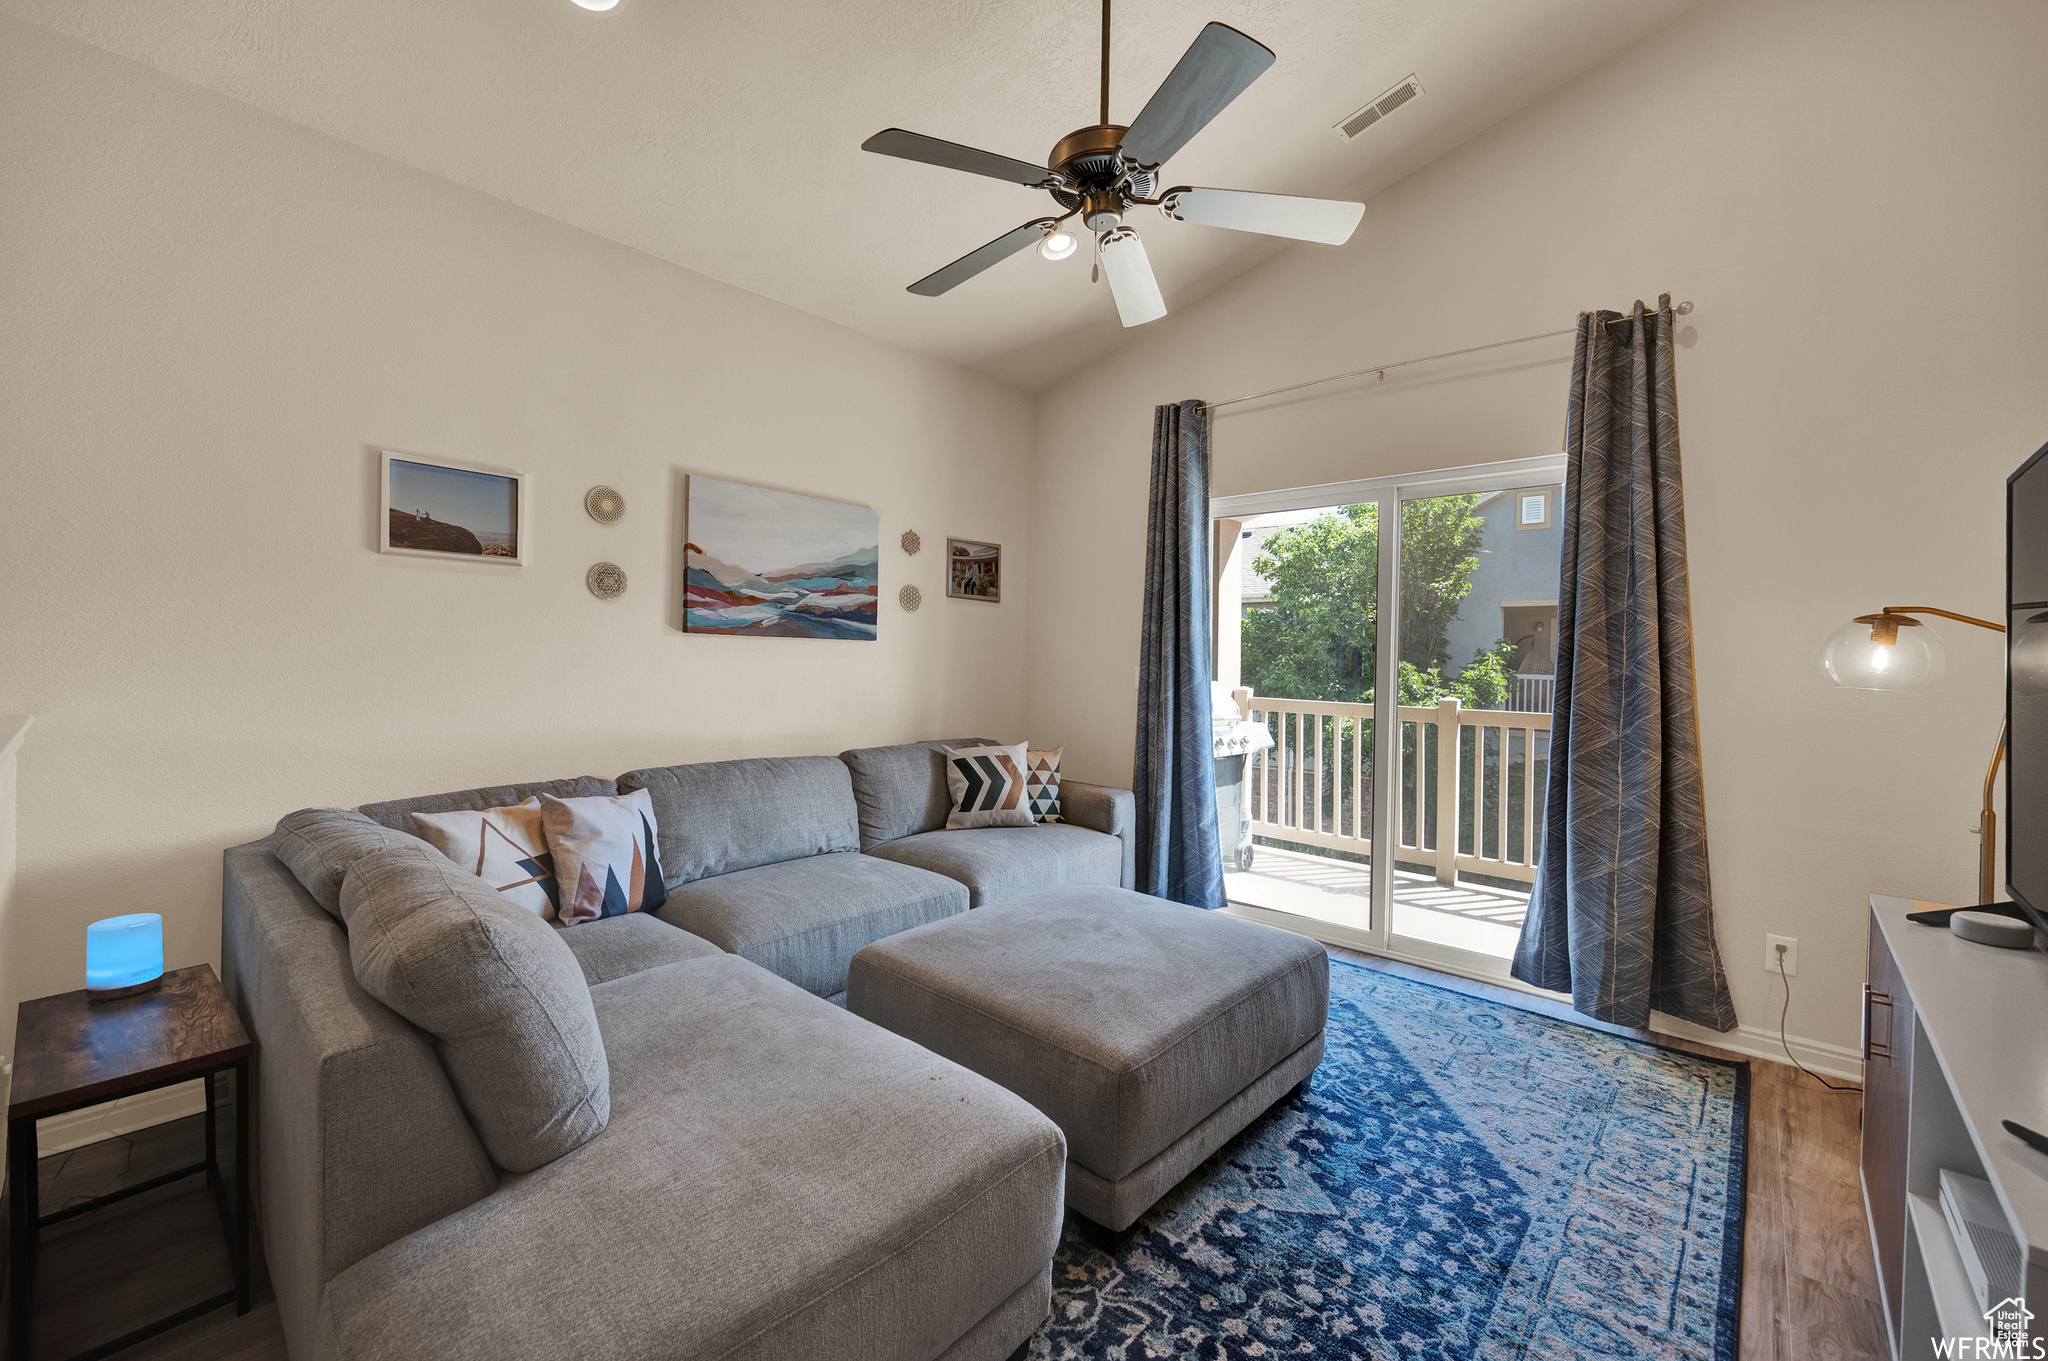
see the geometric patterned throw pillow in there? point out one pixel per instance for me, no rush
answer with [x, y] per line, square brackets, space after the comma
[1042, 784]
[504, 847]
[605, 859]
[987, 787]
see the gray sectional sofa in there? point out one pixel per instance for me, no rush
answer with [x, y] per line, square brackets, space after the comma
[773, 1177]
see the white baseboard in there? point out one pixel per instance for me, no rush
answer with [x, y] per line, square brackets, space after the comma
[1761, 1042]
[1757, 1042]
[76, 1129]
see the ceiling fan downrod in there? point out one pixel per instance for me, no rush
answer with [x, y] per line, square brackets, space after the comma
[1105, 62]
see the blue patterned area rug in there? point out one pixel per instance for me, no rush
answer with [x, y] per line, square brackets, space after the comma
[1463, 1180]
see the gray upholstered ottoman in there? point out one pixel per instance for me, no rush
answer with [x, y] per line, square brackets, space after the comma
[1150, 1032]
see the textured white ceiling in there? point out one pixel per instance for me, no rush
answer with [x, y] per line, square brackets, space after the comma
[726, 137]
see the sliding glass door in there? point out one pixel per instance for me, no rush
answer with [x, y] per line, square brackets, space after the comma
[1395, 640]
[1306, 593]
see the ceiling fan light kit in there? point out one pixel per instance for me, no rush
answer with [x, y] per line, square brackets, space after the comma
[1099, 173]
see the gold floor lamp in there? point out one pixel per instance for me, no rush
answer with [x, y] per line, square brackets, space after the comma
[1871, 652]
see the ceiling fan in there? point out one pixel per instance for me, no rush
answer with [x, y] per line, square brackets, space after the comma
[1102, 172]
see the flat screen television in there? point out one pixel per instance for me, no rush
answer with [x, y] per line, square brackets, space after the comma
[2026, 687]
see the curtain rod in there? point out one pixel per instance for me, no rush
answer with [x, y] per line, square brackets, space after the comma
[1678, 309]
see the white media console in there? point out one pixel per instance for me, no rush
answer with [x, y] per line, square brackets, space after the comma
[1955, 1041]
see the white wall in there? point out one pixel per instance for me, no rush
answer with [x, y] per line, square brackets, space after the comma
[1853, 194]
[215, 317]
[13, 731]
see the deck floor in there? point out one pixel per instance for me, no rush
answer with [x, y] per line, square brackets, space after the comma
[1473, 917]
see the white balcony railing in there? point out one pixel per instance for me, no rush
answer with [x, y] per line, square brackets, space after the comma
[1314, 785]
[1532, 694]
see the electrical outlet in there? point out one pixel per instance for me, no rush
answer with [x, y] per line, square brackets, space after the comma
[1791, 944]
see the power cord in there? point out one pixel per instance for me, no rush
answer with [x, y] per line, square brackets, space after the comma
[1786, 1010]
[113, 1179]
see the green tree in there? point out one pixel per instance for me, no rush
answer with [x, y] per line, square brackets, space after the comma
[1485, 683]
[1316, 641]
[1440, 540]
[1319, 637]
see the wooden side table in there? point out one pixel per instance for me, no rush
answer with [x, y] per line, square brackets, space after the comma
[70, 1053]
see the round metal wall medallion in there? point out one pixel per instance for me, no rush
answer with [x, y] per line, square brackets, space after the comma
[910, 597]
[911, 543]
[604, 504]
[606, 580]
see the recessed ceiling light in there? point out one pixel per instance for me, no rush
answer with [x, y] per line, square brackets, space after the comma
[598, 4]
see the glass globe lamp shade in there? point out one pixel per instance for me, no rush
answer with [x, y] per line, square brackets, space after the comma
[599, 5]
[2028, 656]
[1056, 246]
[1858, 658]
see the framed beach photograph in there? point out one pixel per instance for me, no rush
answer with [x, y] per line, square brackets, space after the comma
[974, 571]
[438, 508]
[759, 563]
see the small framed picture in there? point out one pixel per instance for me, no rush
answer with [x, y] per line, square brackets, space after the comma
[438, 508]
[974, 571]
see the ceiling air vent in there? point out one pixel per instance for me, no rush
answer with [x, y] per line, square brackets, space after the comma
[1379, 108]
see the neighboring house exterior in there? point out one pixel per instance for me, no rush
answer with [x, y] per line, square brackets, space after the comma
[1256, 591]
[1514, 588]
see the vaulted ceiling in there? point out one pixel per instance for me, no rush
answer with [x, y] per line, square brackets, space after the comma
[726, 138]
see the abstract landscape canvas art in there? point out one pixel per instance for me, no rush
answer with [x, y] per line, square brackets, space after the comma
[452, 510]
[772, 564]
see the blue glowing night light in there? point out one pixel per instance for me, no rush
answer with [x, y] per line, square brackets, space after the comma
[124, 955]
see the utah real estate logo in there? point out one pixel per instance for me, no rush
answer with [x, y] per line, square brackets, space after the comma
[2007, 1324]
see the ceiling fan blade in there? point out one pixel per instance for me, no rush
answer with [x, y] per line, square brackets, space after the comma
[974, 262]
[915, 146]
[1131, 281]
[1241, 210]
[1212, 72]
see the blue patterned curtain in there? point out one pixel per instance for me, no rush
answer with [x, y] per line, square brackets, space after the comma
[1622, 915]
[1179, 856]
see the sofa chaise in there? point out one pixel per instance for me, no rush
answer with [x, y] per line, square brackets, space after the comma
[770, 1177]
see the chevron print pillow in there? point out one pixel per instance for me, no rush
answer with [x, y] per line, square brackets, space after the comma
[987, 785]
[1042, 784]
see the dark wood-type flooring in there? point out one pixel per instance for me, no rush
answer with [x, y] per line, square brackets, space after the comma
[111, 1271]
[1809, 1287]
[1809, 1281]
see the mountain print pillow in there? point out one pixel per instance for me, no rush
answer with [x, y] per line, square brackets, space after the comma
[987, 787]
[605, 859]
[504, 847]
